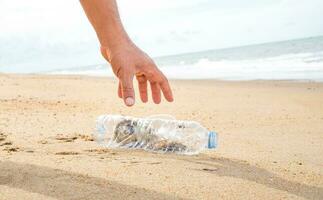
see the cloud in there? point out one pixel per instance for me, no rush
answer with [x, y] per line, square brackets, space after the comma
[160, 27]
[219, 24]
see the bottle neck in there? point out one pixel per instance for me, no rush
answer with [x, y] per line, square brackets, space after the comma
[212, 140]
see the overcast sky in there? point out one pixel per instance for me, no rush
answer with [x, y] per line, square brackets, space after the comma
[160, 27]
[170, 26]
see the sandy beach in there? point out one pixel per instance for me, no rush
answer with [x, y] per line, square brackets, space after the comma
[270, 141]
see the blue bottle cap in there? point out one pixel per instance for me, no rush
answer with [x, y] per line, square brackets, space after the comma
[212, 140]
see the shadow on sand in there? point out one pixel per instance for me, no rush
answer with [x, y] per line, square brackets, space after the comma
[243, 170]
[66, 185]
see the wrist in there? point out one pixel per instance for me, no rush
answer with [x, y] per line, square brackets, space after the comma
[108, 50]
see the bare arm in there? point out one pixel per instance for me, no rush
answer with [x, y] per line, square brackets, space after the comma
[126, 59]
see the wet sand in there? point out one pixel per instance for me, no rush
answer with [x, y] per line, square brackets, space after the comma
[271, 141]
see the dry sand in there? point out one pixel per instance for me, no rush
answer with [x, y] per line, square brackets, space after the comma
[271, 141]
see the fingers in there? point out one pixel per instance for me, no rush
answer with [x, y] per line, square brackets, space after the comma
[128, 93]
[155, 91]
[158, 83]
[156, 88]
[142, 84]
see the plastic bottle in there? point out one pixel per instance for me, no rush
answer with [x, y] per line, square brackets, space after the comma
[158, 134]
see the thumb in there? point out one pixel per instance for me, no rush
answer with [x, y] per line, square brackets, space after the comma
[128, 93]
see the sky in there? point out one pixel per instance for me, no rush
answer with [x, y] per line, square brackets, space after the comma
[43, 29]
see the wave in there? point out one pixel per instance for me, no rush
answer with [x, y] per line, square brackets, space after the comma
[302, 66]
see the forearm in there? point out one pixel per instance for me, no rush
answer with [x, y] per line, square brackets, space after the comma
[104, 17]
[126, 59]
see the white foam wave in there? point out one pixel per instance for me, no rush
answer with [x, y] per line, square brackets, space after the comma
[304, 66]
[291, 67]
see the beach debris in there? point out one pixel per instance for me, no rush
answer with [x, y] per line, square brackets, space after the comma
[155, 163]
[154, 134]
[101, 151]
[166, 145]
[128, 132]
[209, 170]
[63, 138]
[43, 142]
[2, 137]
[11, 149]
[6, 143]
[67, 138]
[86, 137]
[65, 153]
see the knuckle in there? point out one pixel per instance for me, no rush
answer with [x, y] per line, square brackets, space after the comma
[153, 82]
[149, 62]
[150, 73]
[160, 79]
[118, 72]
[141, 79]
[127, 88]
[155, 77]
[163, 79]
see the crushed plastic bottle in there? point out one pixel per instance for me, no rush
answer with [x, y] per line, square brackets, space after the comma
[158, 134]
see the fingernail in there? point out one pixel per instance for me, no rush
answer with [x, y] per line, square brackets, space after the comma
[130, 101]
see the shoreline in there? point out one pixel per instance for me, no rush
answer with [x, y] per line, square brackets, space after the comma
[177, 80]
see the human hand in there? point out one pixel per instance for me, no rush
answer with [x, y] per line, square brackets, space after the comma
[128, 61]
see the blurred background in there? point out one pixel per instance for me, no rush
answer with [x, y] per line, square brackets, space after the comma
[189, 39]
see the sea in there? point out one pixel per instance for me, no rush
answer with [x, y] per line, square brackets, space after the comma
[298, 60]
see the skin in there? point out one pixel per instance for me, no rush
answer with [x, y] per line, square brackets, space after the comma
[126, 59]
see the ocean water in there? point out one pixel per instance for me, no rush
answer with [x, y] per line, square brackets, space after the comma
[288, 60]
[300, 59]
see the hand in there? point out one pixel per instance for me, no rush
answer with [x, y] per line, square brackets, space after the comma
[129, 61]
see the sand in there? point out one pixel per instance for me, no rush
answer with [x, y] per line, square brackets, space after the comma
[270, 147]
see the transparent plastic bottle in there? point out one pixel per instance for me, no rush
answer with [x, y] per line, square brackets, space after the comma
[159, 134]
